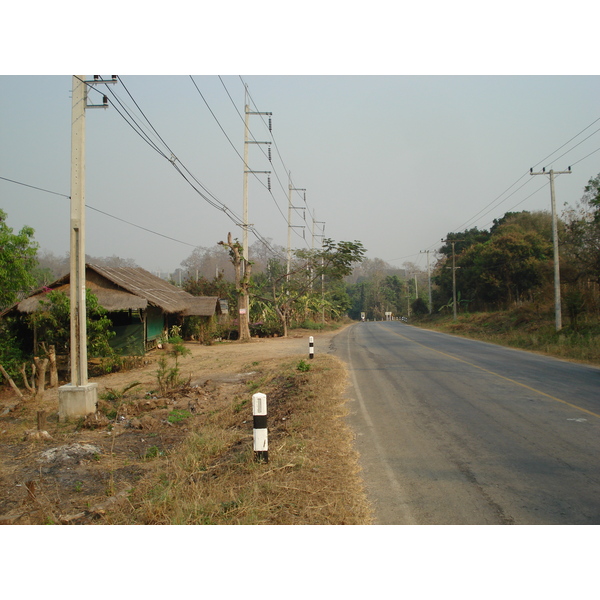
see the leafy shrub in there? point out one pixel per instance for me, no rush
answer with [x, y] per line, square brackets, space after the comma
[265, 329]
[303, 366]
[53, 324]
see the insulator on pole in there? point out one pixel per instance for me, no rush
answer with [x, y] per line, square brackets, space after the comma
[269, 149]
[270, 124]
[269, 183]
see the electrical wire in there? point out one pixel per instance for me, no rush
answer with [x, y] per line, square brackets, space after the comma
[303, 216]
[231, 143]
[173, 159]
[472, 219]
[274, 171]
[34, 187]
[102, 212]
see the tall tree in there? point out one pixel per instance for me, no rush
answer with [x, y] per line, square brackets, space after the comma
[582, 235]
[243, 271]
[500, 266]
[288, 292]
[17, 262]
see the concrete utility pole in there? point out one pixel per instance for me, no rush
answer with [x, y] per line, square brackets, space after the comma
[453, 275]
[79, 398]
[557, 304]
[247, 170]
[322, 236]
[290, 207]
[428, 279]
[244, 304]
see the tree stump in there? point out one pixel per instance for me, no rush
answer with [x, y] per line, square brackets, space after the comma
[40, 371]
[53, 367]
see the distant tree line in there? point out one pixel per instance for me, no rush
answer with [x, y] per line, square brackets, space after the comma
[510, 264]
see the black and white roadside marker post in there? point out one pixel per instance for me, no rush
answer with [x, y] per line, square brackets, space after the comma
[311, 347]
[261, 442]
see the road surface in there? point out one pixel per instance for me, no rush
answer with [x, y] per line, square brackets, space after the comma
[455, 431]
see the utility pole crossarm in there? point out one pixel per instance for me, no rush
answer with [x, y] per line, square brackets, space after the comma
[290, 226]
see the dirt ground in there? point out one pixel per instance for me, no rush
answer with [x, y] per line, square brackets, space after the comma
[73, 472]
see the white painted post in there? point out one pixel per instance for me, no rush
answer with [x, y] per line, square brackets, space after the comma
[260, 434]
[311, 347]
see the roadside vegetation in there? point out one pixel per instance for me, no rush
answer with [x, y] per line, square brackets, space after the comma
[184, 455]
[504, 283]
[499, 282]
[213, 478]
[525, 329]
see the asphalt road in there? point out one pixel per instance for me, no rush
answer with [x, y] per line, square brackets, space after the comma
[454, 431]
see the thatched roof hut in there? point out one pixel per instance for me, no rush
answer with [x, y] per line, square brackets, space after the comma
[128, 288]
[139, 299]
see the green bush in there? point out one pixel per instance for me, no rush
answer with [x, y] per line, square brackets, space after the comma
[12, 355]
[53, 324]
[303, 366]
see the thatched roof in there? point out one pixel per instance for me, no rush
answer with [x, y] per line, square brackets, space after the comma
[203, 306]
[143, 284]
[111, 300]
[127, 288]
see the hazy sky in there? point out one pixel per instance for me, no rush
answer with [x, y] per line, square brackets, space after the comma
[402, 124]
[395, 162]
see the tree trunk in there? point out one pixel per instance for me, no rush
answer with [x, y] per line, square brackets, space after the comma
[245, 297]
[242, 285]
[41, 420]
[53, 368]
[11, 382]
[40, 384]
[282, 314]
[25, 380]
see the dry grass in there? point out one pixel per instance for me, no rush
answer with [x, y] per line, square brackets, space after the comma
[312, 476]
[526, 329]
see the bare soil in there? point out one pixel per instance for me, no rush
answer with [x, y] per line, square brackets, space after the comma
[78, 472]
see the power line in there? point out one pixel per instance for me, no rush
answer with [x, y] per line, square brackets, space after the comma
[520, 187]
[569, 141]
[231, 143]
[215, 202]
[282, 162]
[34, 187]
[472, 219]
[103, 212]
[254, 139]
